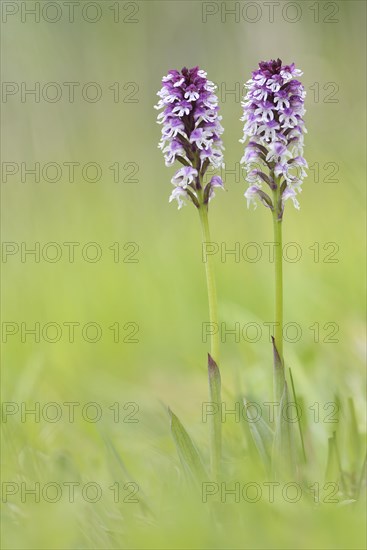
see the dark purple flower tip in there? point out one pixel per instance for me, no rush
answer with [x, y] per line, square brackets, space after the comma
[271, 67]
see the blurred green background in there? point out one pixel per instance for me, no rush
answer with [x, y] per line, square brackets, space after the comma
[164, 292]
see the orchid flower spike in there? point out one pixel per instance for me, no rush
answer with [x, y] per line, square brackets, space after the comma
[274, 132]
[191, 131]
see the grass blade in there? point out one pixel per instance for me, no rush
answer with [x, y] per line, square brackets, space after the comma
[283, 455]
[189, 455]
[262, 435]
[216, 422]
[299, 418]
[279, 379]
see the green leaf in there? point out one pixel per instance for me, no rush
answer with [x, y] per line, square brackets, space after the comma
[339, 463]
[299, 408]
[362, 478]
[283, 455]
[332, 469]
[120, 472]
[189, 455]
[216, 420]
[279, 378]
[354, 437]
[262, 434]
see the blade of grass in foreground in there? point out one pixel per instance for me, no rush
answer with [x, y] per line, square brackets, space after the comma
[126, 477]
[362, 478]
[283, 455]
[216, 421]
[189, 455]
[334, 470]
[278, 373]
[262, 435]
[353, 437]
[298, 416]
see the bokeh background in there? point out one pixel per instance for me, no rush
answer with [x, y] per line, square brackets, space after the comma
[163, 292]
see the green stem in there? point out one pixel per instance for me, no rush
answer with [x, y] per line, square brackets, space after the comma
[213, 370]
[279, 375]
[212, 295]
[278, 332]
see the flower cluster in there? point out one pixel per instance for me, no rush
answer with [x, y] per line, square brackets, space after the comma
[274, 128]
[190, 133]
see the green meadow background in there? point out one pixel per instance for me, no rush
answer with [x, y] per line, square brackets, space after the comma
[161, 295]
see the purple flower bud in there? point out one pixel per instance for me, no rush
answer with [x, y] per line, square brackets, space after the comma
[191, 132]
[209, 194]
[274, 128]
[216, 181]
